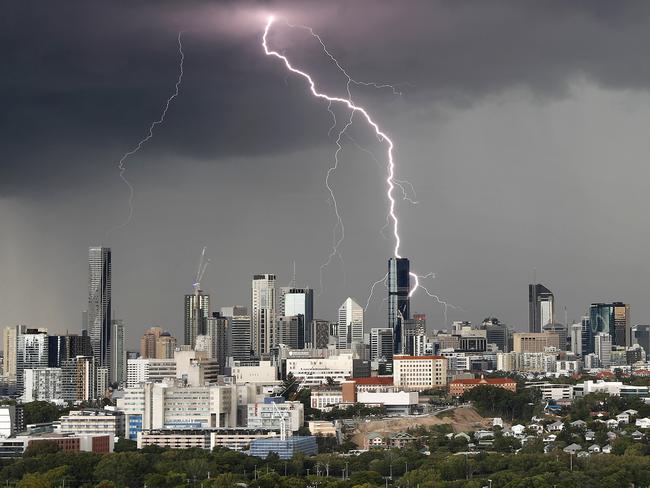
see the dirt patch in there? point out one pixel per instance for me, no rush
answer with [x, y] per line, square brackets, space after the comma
[464, 419]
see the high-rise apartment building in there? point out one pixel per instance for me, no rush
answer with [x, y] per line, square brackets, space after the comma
[399, 286]
[165, 346]
[540, 307]
[10, 345]
[78, 382]
[148, 342]
[117, 370]
[263, 312]
[298, 302]
[99, 304]
[31, 353]
[413, 330]
[197, 311]
[350, 324]
[218, 334]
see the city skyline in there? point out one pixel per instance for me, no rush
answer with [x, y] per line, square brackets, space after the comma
[472, 142]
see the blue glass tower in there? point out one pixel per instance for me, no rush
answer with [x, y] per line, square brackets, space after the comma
[399, 285]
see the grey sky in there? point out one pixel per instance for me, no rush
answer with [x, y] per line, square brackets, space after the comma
[523, 128]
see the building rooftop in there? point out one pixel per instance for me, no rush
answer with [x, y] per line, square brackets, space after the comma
[483, 381]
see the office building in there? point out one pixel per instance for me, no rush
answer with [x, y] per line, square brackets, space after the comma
[319, 335]
[298, 302]
[612, 318]
[534, 341]
[603, 349]
[350, 324]
[31, 353]
[165, 346]
[496, 333]
[197, 311]
[270, 413]
[263, 311]
[560, 330]
[418, 373]
[117, 370]
[99, 304]
[399, 286]
[540, 307]
[381, 343]
[641, 336]
[62, 348]
[576, 338]
[149, 370]
[93, 422]
[291, 331]
[240, 337]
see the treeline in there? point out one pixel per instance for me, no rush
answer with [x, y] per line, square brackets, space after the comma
[159, 468]
[493, 401]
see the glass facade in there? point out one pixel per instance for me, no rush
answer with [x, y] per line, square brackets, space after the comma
[399, 286]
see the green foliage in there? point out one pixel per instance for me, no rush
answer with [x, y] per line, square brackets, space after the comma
[39, 412]
[499, 402]
[41, 448]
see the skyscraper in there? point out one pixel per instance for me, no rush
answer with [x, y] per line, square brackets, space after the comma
[319, 334]
[613, 318]
[218, 333]
[239, 332]
[540, 307]
[62, 348]
[99, 304]
[399, 286]
[350, 325]
[31, 353]
[10, 345]
[298, 302]
[381, 343]
[263, 329]
[148, 342]
[603, 348]
[197, 311]
[496, 333]
[118, 353]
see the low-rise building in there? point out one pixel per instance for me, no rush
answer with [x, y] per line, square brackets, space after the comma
[458, 387]
[325, 400]
[94, 422]
[419, 373]
[398, 402]
[237, 439]
[269, 415]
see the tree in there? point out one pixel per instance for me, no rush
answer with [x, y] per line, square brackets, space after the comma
[40, 412]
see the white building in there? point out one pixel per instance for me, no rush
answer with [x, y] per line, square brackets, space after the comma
[145, 370]
[419, 372]
[254, 372]
[263, 305]
[174, 405]
[603, 349]
[325, 400]
[557, 392]
[316, 371]
[7, 420]
[96, 422]
[350, 324]
[394, 402]
[269, 415]
[43, 384]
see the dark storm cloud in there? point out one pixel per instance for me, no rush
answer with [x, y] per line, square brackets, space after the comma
[82, 80]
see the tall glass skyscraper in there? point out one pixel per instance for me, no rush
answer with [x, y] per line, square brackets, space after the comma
[197, 311]
[263, 328]
[399, 286]
[99, 304]
[612, 318]
[540, 307]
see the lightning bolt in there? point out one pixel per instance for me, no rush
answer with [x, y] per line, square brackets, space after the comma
[416, 284]
[372, 290]
[349, 104]
[122, 162]
[391, 180]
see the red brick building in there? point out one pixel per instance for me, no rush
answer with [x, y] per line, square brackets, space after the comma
[460, 386]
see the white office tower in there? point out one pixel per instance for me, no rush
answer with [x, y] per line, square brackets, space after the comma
[350, 325]
[10, 344]
[197, 311]
[99, 304]
[31, 352]
[381, 343]
[263, 329]
[118, 353]
[576, 338]
[603, 349]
